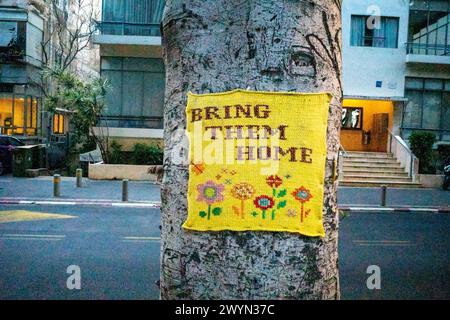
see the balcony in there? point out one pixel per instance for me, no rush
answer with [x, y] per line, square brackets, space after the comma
[417, 53]
[128, 33]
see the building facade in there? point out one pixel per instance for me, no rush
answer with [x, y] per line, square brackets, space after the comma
[22, 30]
[396, 71]
[131, 60]
[28, 45]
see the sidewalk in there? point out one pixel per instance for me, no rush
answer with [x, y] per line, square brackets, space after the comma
[394, 197]
[41, 188]
[38, 190]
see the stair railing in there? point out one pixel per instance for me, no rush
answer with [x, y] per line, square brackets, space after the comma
[342, 154]
[400, 150]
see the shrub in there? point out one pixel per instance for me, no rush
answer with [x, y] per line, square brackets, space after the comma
[116, 154]
[422, 147]
[147, 155]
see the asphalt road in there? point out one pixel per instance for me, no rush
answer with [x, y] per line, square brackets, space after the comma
[412, 251]
[116, 249]
[118, 254]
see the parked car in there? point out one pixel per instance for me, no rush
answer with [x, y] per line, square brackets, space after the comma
[7, 145]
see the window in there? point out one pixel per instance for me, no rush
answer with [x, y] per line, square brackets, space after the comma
[18, 114]
[352, 118]
[429, 27]
[136, 97]
[384, 35]
[137, 17]
[58, 123]
[12, 41]
[428, 106]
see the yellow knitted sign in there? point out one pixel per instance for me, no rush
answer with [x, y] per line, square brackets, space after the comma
[257, 161]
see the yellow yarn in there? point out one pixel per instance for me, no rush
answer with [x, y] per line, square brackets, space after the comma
[257, 161]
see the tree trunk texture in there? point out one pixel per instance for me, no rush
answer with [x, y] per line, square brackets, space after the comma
[220, 45]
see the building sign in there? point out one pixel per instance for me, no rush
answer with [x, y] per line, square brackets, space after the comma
[257, 161]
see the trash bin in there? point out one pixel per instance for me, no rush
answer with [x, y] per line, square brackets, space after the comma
[22, 160]
[39, 156]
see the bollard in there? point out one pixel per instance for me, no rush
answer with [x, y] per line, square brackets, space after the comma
[56, 185]
[79, 177]
[383, 195]
[125, 190]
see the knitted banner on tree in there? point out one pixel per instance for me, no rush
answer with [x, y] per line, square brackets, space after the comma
[257, 161]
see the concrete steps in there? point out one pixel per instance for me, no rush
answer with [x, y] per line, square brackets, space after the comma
[374, 169]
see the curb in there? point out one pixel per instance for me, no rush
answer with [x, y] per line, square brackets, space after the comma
[157, 204]
[82, 202]
[396, 209]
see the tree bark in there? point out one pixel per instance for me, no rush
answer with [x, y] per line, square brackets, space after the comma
[264, 45]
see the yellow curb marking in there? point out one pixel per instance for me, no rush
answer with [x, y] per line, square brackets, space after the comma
[24, 215]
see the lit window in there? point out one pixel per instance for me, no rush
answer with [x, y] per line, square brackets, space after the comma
[58, 123]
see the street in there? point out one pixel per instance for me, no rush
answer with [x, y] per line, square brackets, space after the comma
[117, 251]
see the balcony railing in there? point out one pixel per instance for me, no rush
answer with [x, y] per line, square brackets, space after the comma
[129, 29]
[131, 122]
[428, 49]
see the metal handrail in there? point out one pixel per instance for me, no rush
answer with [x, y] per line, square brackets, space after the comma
[341, 148]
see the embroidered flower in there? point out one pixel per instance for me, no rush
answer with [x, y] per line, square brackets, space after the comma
[302, 194]
[210, 192]
[274, 181]
[292, 213]
[264, 202]
[243, 191]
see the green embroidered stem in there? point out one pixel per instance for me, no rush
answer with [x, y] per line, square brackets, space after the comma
[264, 214]
[274, 192]
[209, 212]
[273, 214]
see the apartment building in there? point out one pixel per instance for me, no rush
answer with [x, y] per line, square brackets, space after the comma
[28, 45]
[131, 59]
[396, 70]
[22, 32]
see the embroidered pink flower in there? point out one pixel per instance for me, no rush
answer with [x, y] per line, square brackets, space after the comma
[210, 192]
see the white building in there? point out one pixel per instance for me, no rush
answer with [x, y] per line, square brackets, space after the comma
[396, 70]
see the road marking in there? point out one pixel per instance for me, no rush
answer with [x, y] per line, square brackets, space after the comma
[424, 210]
[370, 209]
[30, 239]
[35, 235]
[383, 243]
[50, 203]
[25, 215]
[137, 205]
[141, 241]
[142, 238]
[386, 244]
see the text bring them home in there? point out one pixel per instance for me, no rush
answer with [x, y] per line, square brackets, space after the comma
[250, 132]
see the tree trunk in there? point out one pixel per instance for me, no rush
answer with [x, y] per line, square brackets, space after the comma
[265, 45]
